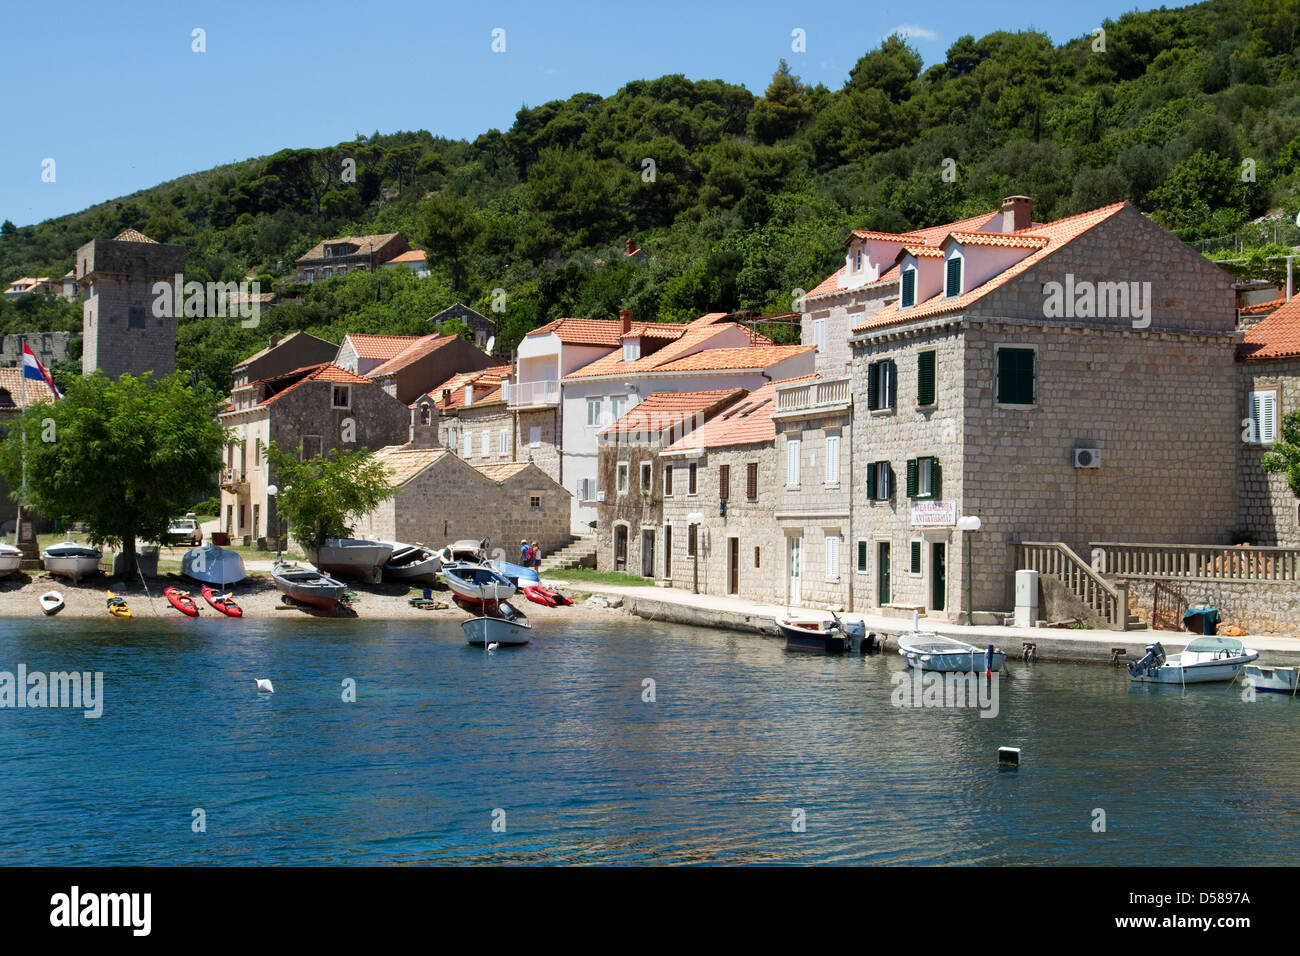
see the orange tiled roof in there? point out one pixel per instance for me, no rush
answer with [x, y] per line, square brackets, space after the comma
[1259, 307]
[325, 372]
[1275, 337]
[745, 422]
[1057, 234]
[593, 331]
[412, 353]
[412, 255]
[404, 462]
[755, 357]
[661, 410]
[695, 338]
[382, 347]
[488, 378]
[645, 330]
[133, 235]
[11, 380]
[1009, 240]
[924, 252]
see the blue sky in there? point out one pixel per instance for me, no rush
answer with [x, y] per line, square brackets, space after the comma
[115, 95]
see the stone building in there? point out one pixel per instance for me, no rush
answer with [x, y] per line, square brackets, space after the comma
[318, 408]
[483, 329]
[336, 257]
[629, 521]
[13, 391]
[725, 473]
[362, 352]
[281, 356]
[474, 420]
[1039, 377]
[121, 329]
[425, 364]
[49, 347]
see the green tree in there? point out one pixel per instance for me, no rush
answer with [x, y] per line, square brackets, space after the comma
[318, 495]
[1285, 456]
[123, 456]
[784, 108]
[447, 228]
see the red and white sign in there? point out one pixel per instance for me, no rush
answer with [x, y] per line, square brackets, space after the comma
[933, 514]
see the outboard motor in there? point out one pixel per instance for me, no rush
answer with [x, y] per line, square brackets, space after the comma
[855, 635]
[1155, 658]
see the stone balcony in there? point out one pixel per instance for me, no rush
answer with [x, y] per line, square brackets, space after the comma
[233, 481]
[813, 397]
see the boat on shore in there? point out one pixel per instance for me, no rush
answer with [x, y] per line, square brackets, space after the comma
[11, 559]
[465, 551]
[517, 574]
[182, 601]
[213, 565]
[414, 563]
[478, 583]
[308, 586]
[508, 627]
[1206, 659]
[225, 603]
[71, 560]
[117, 606]
[929, 651]
[353, 558]
[51, 603]
[1275, 680]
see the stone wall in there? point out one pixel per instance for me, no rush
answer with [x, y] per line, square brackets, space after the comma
[119, 278]
[841, 312]
[494, 419]
[1269, 513]
[632, 509]
[546, 453]
[1257, 607]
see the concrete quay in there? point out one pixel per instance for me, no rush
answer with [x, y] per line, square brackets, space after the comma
[678, 606]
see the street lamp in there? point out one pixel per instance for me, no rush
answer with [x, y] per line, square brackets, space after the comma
[968, 523]
[693, 519]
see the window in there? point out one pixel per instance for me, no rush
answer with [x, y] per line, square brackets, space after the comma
[832, 557]
[1016, 376]
[832, 459]
[925, 378]
[325, 273]
[908, 291]
[631, 350]
[617, 407]
[486, 443]
[621, 482]
[690, 480]
[952, 277]
[880, 481]
[503, 442]
[342, 396]
[467, 445]
[863, 550]
[1263, 417]
[751, 481]
[882, 387]
[923, 478]
[534, 501]
[586, 489]
[756, 555]
[593, 412]
[668, 551]
[724, 482]
[645, 478]
[690, 540]
[534, 436]
[309, 275]
[257, 453]
[857, 260]
[819, 334]
[341, 270]
[916, 557]
[668, 481]
[792, 462]
[311, 446]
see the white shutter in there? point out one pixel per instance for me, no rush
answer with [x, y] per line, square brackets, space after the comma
[1263, 414]
[535, 435]
[792, 462]
[504, 448]
[832, 556]
[832, 459]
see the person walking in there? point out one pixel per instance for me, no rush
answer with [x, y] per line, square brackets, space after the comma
[537, 555]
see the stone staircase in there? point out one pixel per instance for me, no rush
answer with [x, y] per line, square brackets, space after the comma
[580, 552]
[1083, 591]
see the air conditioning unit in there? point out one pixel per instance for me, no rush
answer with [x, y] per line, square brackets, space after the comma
[1087, 458]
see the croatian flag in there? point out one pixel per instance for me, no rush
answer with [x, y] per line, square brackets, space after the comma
[33, 369]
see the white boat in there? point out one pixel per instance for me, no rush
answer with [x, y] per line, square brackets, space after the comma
[308, 586]
[414, 563]
[478, 584]
[1205, 660]
[51, 602]
[1277, 680]
[11, 559]
[71, 560]
[353, 558]
[825, 635]
[465, 551]
[928, 651]
[509, 628]
[213, 565]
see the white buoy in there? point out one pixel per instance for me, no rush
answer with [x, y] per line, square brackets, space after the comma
[493, 646]
[264, 686]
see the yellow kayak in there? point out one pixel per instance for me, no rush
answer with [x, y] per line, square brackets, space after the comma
[117, 607]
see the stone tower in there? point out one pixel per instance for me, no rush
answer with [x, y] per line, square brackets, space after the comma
[122, 332]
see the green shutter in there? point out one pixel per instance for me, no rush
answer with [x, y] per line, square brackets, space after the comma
[953, 285]
[925, 384]
[912, 479]
[916, 557]
[909, 288]
[936, 479]
[873, 386]
[871, 482]
[862, 555]
[1016, 376]
[893, 385]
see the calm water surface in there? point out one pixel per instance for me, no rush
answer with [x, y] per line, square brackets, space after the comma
[556, 735]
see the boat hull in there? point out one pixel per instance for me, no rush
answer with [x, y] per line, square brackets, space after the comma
[308, 587]
[357, 559]
[1203, 673]
[478, 584]
[10, 561]
[423, 570]
[51, 603]
[517, 574]
[228, 608]
[1273, 680]
[811, 640]
[481, 631]
[928, 652]
[181, 601]
[72, 568]
[213, 565]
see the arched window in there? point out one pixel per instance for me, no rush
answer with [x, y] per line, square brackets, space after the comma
[424, 414]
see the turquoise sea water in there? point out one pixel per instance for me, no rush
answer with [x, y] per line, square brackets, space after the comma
[741, 736]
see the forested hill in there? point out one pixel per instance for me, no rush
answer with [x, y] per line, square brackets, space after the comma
[749, 197]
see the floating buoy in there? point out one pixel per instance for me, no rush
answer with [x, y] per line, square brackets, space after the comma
[1008, 756]
[264, 686]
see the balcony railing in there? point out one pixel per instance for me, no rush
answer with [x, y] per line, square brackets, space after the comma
[233, 481]
[1107, 601]
[1191, 562]
[813, 396]
[532, 394]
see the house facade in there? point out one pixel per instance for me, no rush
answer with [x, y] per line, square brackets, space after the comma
[474, 420]
[48, 347]
[336, 257]
[425, 364]
[281, 356]
[483, 330]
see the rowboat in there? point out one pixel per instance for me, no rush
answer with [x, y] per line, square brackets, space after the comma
[414, 563]
[212, 565]
[308, 586]
[464, 551]
[517, 574]
[51, 602]
[821, 635]
[225, 603]
[477, 584]
[182, 601]
[1205, 660]
[117, 606]
[928, 651]
[509, 627]
[1276, 680]
[353, 558]
[10, 559]
[71, 560]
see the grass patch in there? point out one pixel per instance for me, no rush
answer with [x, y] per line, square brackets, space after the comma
[601, 577]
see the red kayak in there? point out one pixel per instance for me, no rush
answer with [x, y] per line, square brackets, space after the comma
[537, 594]
[223, 603]
[182, 601]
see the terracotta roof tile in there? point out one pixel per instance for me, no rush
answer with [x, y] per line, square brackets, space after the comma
[325, 372]
[660, 410]
[404, 462]
[1263, 307]
[382, 347]
[593, 331]
[501, 470]
[412, 353]
[1009, 240]
[756, 357]
[11, 380]
[133, 235]
[411, 255]
[924, 252]
[488, 378]
[745, 422]
[1275, 337]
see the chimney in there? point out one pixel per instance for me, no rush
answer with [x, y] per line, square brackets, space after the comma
[273, 341]
[629, 246]
[625, 317]
[446, 396]
[424, 426]
[1016, 213]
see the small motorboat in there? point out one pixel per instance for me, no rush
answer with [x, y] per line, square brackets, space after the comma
[212, 565]
[117, 606]
[51, 602]
[225, 603]
[478, 583]
[414, 563]
[928, 651]
[508, 627]
[308, 586]
[1206, 659]
[464, 551]
[517, 573]
[1275, 680]
[820, 635]
[182, 601]
[353, 558]
[11, 559]
[71, 560]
